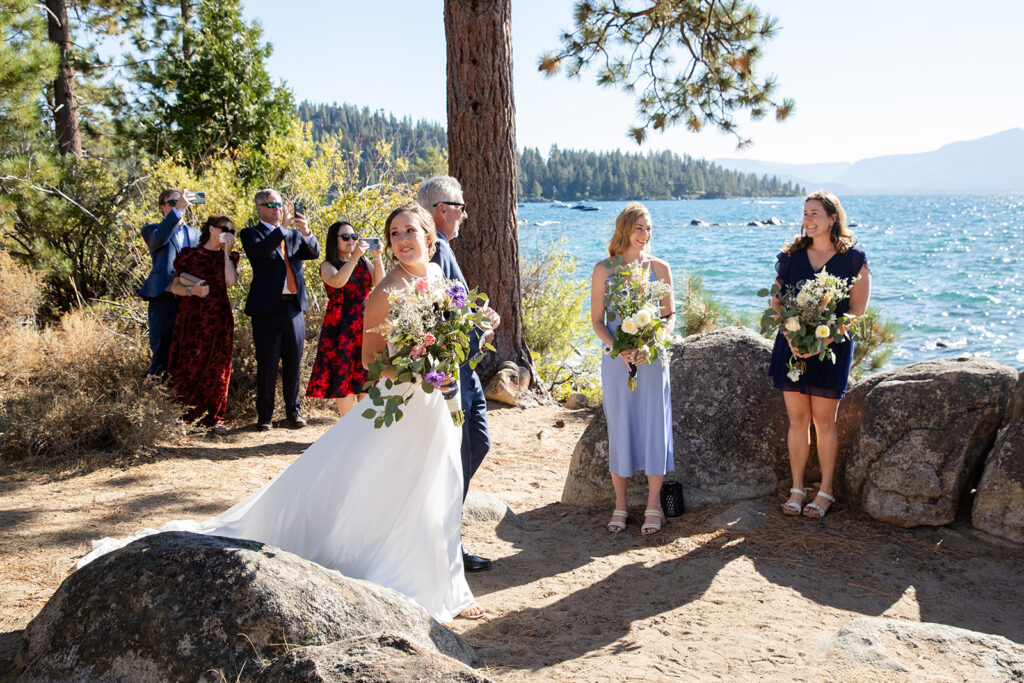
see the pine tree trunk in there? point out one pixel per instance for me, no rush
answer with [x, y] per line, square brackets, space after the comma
[65, 103]
[186, 35]
[482, 156]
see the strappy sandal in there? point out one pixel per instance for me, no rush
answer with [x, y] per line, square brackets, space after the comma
[474, 611]
[792, 508]
[819, 511]
[616, 526]
[652, 527]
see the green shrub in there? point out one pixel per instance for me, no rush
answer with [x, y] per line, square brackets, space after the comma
[697, 311]
[875, 346]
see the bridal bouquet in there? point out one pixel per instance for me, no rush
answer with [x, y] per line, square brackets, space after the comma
[808, 317]
[428, 329]
[635, 299]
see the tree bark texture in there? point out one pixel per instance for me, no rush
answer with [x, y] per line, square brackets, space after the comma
[65, 102]
[482, 156]
[186, 35]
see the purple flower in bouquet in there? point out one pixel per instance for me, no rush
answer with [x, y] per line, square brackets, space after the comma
[435, 379]
[457, 293]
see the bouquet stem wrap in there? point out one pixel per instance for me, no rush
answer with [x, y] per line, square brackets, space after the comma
[453, 398]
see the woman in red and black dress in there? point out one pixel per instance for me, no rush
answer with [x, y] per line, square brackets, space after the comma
[338, 371]
[199, 363]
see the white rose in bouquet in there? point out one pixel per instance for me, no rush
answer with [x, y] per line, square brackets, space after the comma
[792, 324]
[822, 331]
[629, 326]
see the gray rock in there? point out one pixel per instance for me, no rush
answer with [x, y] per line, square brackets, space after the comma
[912, 436]
[508, 384]
[385, 656]
[773, 221]
[999, 501]
[744, 516]
[181, 606]
[926, 648]
[579, 401]
[483, 507]
[697, 221]
[729, 427]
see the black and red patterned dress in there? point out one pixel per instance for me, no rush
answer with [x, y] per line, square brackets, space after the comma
[199, 363]
[338, 369]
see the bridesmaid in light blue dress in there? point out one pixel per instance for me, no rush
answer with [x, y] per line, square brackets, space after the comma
[639, 421]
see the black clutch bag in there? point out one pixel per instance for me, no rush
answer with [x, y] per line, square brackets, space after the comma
[672, 498]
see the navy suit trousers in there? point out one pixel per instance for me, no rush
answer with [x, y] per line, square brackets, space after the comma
[278, 338]
[476, 440]
[162, 312]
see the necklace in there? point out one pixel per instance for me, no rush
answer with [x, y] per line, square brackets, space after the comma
[414, 275]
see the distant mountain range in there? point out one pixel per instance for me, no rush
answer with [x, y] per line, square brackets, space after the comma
[994, 163]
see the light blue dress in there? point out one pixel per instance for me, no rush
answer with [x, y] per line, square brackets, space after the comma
[639, 421]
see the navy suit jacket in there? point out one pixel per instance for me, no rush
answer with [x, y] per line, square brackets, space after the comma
[262, 246]
[164, 249]
[443, 256]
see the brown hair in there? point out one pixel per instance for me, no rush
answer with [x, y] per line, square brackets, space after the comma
[426, 222]
[167, 193]
[215, 221]
[839, 232]
[624, 227]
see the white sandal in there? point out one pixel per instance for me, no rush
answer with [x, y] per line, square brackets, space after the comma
[615, 526]
[820, 510]
[793, 509]
[652, 527]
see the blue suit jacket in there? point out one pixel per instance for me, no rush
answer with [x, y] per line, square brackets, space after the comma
[469, 383]
[262, 246]
[164, 249]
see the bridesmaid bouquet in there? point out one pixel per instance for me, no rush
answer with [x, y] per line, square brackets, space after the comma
[428, 330]
[634, 298]
[808, 317]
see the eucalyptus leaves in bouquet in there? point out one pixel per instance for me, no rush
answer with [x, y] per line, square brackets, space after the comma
[807, 317]
[633, 298]
[428, 332]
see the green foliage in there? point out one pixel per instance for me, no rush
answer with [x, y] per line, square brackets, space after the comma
[557, 324]
[877, 335]
[698, 311]
[635, 45]
[26, 62]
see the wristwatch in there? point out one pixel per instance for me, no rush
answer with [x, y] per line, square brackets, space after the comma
[607, 349]
[188, 290]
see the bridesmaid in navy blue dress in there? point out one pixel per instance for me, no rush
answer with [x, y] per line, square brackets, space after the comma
[826, 242]
[639, 421]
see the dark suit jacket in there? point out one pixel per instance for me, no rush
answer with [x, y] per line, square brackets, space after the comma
[444, 257]
[164, 249]
[262, 246]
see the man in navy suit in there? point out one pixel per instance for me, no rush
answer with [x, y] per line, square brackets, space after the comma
[442, 197]
[276, 304]
[165, 239]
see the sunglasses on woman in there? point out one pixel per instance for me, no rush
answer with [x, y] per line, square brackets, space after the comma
[349, 237]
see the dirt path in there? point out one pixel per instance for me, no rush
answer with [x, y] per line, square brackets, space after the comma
[568, 601]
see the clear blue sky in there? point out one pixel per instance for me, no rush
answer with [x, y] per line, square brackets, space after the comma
[870, 77]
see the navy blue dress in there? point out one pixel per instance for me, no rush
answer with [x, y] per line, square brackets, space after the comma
[822, 377]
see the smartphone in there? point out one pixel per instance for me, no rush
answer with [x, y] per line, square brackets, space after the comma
[195, 197]
[374, 243]
[300, 209]
[224, 237]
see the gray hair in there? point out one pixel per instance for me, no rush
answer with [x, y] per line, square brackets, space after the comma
[436, 189]
[264, 195]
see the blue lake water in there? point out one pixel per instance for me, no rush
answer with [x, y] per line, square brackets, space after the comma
[949, 269]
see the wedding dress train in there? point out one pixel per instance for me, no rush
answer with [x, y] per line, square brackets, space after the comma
[383, 505]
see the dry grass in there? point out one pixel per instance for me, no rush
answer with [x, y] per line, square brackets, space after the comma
[22, 292]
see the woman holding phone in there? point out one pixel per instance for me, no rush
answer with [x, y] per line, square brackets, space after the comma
[349, 276]
[199, 362]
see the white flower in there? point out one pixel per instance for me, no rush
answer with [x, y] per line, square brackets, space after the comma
[629, 326]
[793, 375]
[822, 331]
[792, 324]
[643, 317]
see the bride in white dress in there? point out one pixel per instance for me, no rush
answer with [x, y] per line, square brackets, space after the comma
[383, 505]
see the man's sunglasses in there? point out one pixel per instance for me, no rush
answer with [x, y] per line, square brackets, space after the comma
[349, 237]
[170, 202]
[461, 206]
[273, 205]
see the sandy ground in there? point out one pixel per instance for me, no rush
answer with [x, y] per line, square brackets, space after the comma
[569, 601]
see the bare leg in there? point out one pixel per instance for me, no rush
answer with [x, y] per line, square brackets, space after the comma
[654, 482]
[618, 521]
[798, 407]
[823, 412]
[346, 403]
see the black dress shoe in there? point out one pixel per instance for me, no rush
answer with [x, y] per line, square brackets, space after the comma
[475, 563]
[296, 421]
[264, 426]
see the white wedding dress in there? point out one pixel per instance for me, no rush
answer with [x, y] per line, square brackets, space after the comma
[383, 505]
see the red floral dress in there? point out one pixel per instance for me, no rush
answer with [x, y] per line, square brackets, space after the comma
[199, 363]
[338, 369]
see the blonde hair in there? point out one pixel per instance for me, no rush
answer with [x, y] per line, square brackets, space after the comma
[624, 227]
[426, 223]
[839, 232]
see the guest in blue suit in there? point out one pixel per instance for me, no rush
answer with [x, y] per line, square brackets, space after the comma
[165, 239]
[442, 197]
[276, 304]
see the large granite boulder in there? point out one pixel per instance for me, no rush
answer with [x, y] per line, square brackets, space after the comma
[385, 656]
[913, 436]
[999, 501]
[729, 427]
[188, 607]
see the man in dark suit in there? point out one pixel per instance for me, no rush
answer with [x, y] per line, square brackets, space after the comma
[276, 248]
[442, 197]
[165, 239]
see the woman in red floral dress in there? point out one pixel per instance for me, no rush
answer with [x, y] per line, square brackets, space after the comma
[199, 363]
[338, 371]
